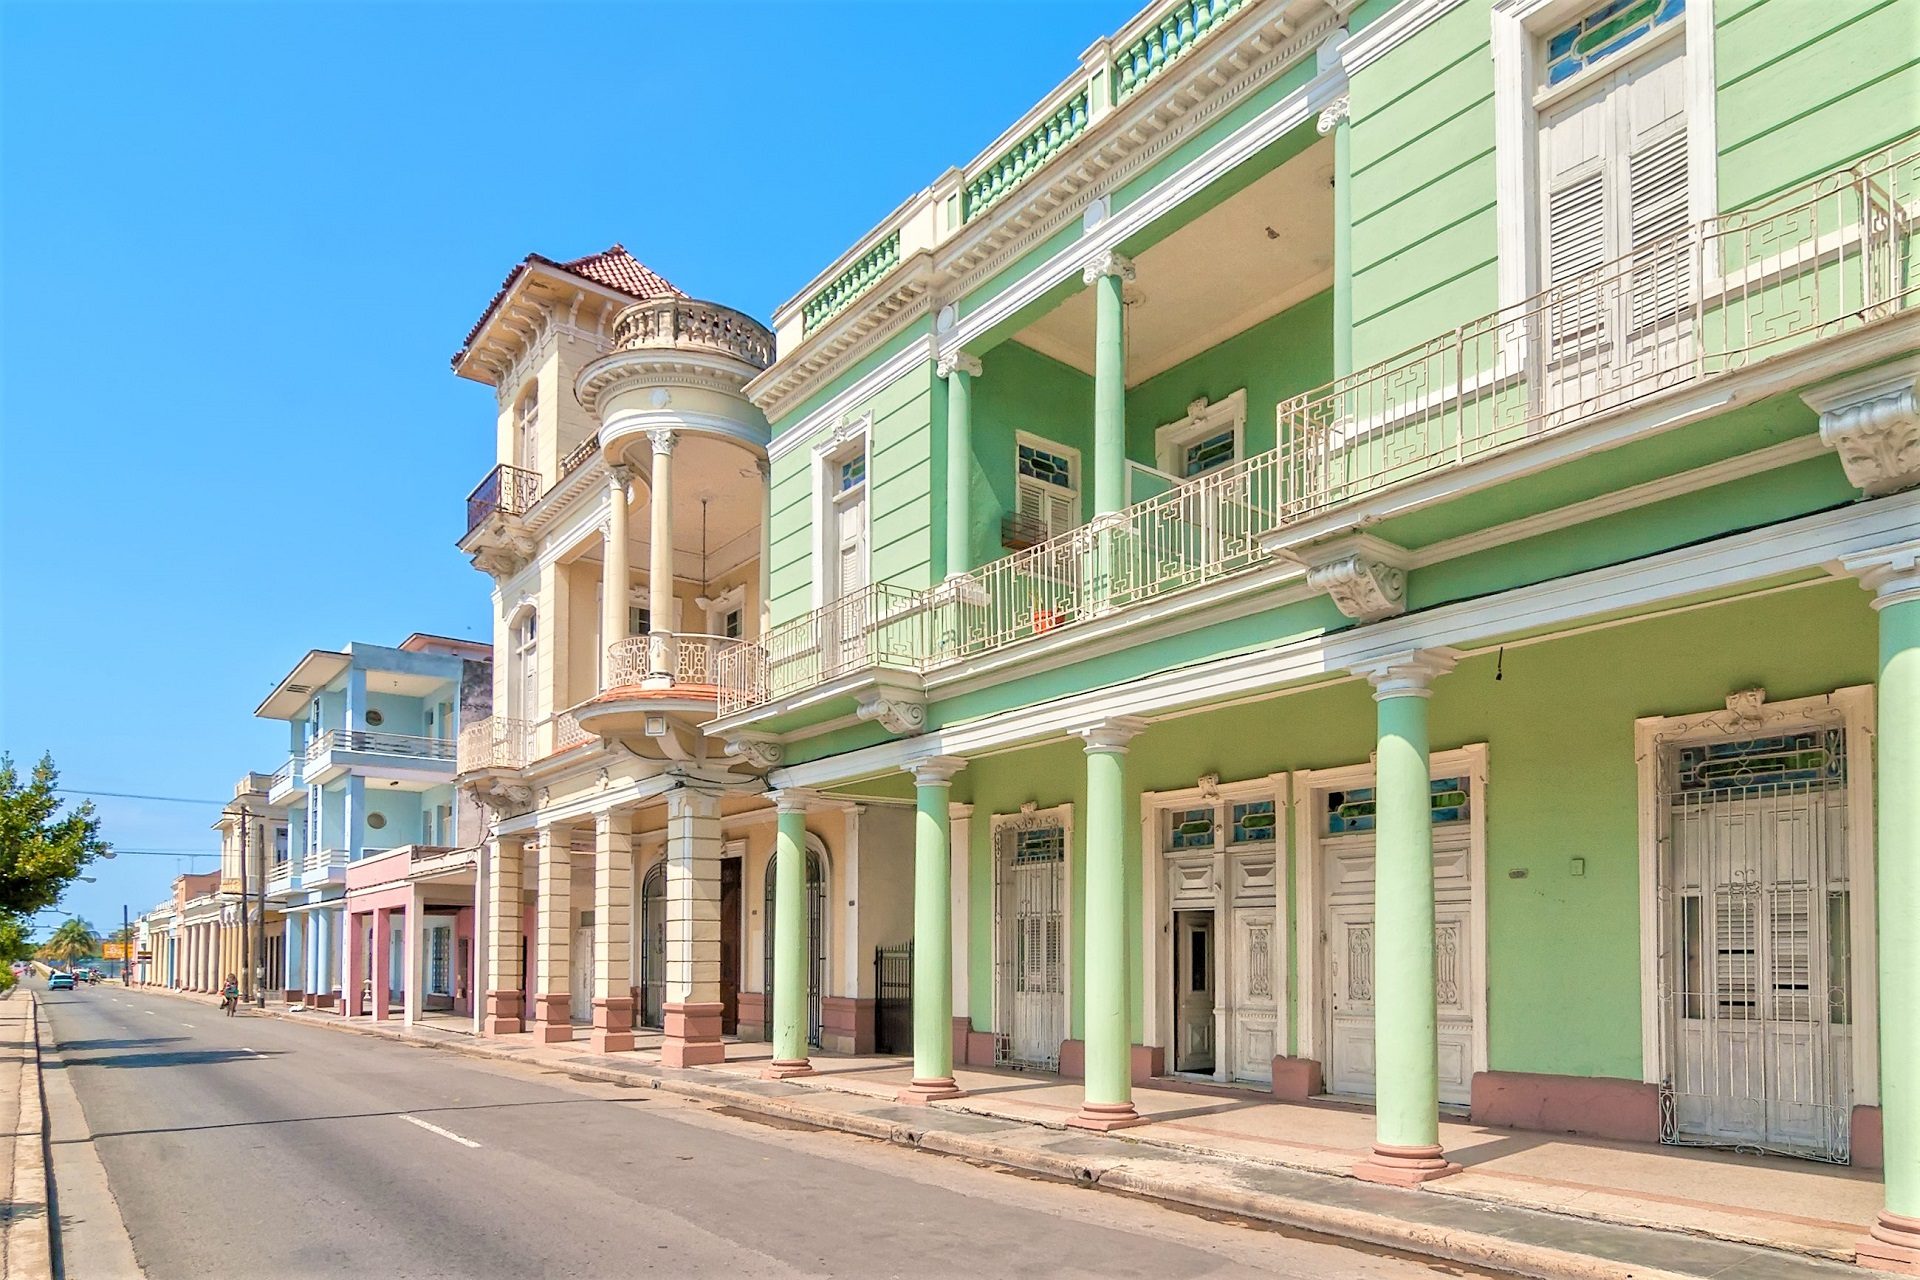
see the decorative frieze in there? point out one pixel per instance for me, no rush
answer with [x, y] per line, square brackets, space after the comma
[1873, 423]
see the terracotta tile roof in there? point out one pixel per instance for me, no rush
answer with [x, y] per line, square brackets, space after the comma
[612, 267]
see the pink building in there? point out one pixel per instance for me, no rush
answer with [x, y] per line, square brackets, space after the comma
[411, 945]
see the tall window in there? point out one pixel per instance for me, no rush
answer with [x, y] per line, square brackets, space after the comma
[523, 689]
[1046, 491]
[527, 427]
[847, 478]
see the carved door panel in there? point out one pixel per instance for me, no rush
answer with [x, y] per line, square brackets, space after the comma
[1349, 970]
[1254, 1023]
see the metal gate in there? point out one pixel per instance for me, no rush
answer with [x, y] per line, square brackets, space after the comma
[893, 999]
[1755, 904]
[1030, 924]
[816, 935]
[653, 947]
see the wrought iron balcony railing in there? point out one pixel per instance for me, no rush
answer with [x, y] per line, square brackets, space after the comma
[375, 743]
[1823, 259]
[682, 658]
[498, 742]
[508, 490]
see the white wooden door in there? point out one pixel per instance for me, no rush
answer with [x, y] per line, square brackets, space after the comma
[582, 966]
[1031, 920]
[1193, 966]
[1254, 1028]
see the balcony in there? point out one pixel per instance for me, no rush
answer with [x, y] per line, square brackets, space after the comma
[387, 755]
[507, 491]
[658, 689]
[283, 877]
[287, 779]
[686, 325]
[1724, 296]
[324, 867]
[498, 742]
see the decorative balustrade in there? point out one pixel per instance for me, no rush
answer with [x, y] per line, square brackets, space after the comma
[497, 742]
[507, 490]
[1170, 37]
[579, 456]
[1822, 259]
[1007, 171]
[838, 293]
[374, 742]
[567, 732]
[678, 657]
[684, 323]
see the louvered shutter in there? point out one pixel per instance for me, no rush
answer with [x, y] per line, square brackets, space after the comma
[1046, 508]
[853, 529]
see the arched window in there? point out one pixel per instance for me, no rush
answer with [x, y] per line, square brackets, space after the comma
[653, 947]
[817, 935]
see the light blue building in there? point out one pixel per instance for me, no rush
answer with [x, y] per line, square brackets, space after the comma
[370, 735]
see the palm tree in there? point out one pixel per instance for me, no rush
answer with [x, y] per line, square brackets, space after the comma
[73, 940]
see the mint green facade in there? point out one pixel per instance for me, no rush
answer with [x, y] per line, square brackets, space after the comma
[1336, 407]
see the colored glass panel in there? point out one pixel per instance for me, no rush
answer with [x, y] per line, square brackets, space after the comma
[1050, 468]
[1253, 821]
[1353, 809]
[1605, 31]
[1205, 455]
[853, 471]
[1039, 844]
[1753, 766]
[1191, 828]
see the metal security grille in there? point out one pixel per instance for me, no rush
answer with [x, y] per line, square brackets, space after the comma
[653, 947]
[817, 936]
[1756, 906]
[1030, 925]
[893, 1003]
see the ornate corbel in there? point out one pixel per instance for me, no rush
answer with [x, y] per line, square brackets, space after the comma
[1873, 422]
[893, 711]
[756, 753]
[1365, 575]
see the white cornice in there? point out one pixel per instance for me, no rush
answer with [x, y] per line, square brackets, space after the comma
[796, 435]
[1810, 545]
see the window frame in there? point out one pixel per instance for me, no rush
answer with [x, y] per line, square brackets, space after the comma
[1075, 491]
[1203, 420]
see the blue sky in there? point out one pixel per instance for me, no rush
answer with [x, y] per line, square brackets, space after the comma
[238, 243]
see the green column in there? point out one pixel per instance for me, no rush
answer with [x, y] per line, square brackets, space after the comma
[1895, 1238]
[1108, 1100]
[1108, 275]
[1406, 1051]
[959, 369]
[932, 933]
[790, 941]
[1334, 120]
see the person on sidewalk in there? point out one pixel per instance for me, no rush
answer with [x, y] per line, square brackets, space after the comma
[230, 995]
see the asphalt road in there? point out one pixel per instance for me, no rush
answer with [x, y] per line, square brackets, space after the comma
[258, 1148]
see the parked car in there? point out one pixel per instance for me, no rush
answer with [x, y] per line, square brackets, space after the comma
[60, 982]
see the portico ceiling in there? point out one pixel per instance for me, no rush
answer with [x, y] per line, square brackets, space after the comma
[1261, 251]
[722, 473]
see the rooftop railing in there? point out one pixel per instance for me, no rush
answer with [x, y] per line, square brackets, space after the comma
[507, 490]
[1823, 259]
[683, 323]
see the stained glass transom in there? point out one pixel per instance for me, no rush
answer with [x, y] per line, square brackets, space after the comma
[1353, 809]
[1050, 468]
[1191, 828]
[1605, 32]
[1039, 844]
[853, 471]
[1754, 766]
[1205, 455]
[1253, 821]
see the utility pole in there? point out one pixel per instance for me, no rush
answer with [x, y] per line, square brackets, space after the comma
[260, 942]
[246, 952]
[126, 947]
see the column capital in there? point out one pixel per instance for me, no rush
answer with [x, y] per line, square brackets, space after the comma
[790, 801]
[1111, 735]
[1107, 263]
[936, 771]
[1408, 674]
[1333, 115]
[619, 476]
[662, 439]
[613, 822]
[957, 362]
[1891, 573]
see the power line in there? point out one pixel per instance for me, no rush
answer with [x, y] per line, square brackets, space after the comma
[118, 852]
[129, 795]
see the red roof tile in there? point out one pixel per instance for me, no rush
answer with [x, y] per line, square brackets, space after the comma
[612, 267]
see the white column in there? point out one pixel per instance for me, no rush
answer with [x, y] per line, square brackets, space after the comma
[614, 576]
[612, 932]
[553, 930]
[693, 930]
[660, 551]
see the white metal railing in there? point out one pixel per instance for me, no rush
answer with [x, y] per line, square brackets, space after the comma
[1824, 258]
[679, 657]
[878, 625]
[497, 742]
[377, 743]
[1821, 259]
[318, 862]
[288, 774]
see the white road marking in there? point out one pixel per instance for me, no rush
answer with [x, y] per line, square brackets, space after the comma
[186, 1024]
[445, 1133]
[247, 1048]
[149, 1011]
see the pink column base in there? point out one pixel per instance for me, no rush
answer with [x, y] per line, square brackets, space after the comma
[692, 1034]
[1404, 1166]
[921, 1092]
[1891, 1244]
[787, 1069]
[503, 1013]
[612, 1025]
[1105, 1117]
[552, 1018]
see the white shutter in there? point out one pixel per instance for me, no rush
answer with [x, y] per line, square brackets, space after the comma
[852, 532]
[1046, 508]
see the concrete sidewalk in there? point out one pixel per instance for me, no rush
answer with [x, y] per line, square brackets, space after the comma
[1532, 1204]
[26, 1225]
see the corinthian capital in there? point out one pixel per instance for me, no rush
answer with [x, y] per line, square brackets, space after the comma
[1107, 263]
[662, 438]
[957, 362]
[1333, 113]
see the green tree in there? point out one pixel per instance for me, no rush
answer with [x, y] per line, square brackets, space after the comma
[15, 944]
[41, 849]
[74, 940]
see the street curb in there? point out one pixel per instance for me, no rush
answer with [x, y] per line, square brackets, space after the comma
[1209, 1188]
[29, 1238]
